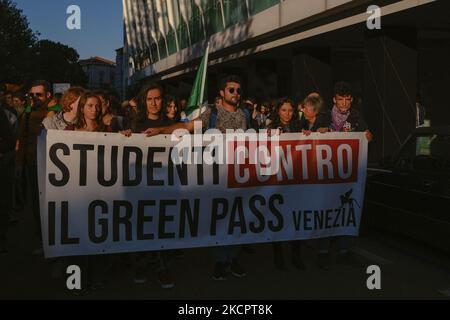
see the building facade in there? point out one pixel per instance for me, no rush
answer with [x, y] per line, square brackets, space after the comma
[292, 47]
[119, 72]
[100, 72]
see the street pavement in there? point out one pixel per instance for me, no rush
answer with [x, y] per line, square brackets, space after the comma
[408, 271]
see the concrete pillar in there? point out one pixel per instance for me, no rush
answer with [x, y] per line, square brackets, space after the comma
[390, 86]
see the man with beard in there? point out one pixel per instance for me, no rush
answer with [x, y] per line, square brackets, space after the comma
[30, 129]
[222, 117]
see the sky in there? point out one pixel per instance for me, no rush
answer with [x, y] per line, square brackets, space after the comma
[101, 30]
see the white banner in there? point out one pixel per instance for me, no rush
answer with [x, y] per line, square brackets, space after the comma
[106, 193]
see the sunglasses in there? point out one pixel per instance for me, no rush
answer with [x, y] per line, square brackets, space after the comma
[233, 90]
[36, 94]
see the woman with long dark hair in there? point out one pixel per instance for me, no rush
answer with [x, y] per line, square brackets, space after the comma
[285, 119]
[149, 109]
[117, 123]
[150, 115]
[171, 111]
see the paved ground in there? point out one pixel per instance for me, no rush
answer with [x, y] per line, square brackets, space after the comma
[408, 271]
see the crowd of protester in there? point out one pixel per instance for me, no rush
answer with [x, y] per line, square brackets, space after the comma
[23, 116]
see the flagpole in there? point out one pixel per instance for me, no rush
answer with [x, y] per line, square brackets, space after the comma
[205, 67]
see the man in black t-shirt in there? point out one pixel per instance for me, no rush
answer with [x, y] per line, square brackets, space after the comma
[226, 116]
[149, 115]
[149, 109]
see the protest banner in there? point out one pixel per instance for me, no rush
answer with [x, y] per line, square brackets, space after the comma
[106, 193]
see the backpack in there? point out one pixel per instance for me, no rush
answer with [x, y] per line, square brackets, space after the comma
[248, 117]
[213, 118]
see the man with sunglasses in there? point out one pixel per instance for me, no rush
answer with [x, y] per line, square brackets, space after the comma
[30, 129]
[40, 93]
[228, 115]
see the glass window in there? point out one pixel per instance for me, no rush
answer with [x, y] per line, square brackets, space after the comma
[171, 41]
[256, 6]
[196, 24]
[423, 145]
[426, 153]
[162, 48]
[235, 11]
[154, 52]
[213, 17]
[183, 37]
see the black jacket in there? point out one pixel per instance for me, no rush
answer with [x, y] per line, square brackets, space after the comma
[323, 120]
[7, 136]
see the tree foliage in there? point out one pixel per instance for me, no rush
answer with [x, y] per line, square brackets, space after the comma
[16, 42]
[24, 58]
[57, 63]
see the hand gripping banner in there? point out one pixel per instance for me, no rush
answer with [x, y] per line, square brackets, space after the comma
[103, 193]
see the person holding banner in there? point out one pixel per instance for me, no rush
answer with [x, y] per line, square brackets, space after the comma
[344, 118]
[314, 119]
[68, 113]
[223, 117]
[63, 118]
[30, 129]
[117, 123]
[90, 119]
[89, 115]
[150, 115]
[285, 120]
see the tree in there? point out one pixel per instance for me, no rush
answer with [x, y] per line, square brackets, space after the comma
[57, 63]
[16, 42]
[24, 58]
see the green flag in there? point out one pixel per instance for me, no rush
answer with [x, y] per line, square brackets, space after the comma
[197, 98]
